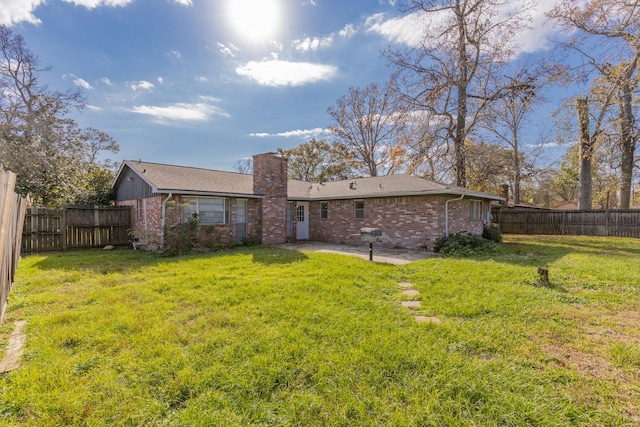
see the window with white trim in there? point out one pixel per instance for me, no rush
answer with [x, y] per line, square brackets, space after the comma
[476, 209]
[139, 208]
[210, 210]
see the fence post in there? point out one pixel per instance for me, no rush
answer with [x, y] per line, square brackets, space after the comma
[35, 224]
[64, 228]
[96, 226]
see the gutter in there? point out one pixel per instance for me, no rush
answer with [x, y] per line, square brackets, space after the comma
[322, 197]
[446, 214]
[163, 219]
[208, 193]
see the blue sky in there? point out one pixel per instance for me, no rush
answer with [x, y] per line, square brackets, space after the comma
[208, 82]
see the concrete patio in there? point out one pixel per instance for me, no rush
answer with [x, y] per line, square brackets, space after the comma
[380, 254]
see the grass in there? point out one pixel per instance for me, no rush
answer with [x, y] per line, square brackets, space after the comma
[265, 336]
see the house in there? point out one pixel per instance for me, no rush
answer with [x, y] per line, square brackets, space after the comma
[566, 206]
[412, 212]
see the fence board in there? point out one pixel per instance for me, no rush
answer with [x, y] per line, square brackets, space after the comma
[617, 223]
[12, 208]
[75, 228]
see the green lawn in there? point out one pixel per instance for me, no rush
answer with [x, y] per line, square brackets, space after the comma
[263, 336]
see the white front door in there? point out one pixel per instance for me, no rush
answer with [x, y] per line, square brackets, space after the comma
[302, 221]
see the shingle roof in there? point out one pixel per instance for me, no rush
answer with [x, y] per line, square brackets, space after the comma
[380, 186]
[184, 179]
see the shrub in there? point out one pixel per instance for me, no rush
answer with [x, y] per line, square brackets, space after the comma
[492, 232]
[249, 241]
[181, 238]
[463, 244]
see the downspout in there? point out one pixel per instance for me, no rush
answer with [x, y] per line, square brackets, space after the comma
[446, 214]
[163, 219]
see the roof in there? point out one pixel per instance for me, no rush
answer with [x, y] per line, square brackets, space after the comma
[379, 186]
[189, 180]
[568, 205]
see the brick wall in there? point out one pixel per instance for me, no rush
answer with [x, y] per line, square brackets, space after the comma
[254, 218]
[270, 179]
[408, 222]
[147, 226]
[146, 223]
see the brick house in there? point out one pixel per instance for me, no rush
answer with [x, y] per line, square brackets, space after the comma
[411, 212]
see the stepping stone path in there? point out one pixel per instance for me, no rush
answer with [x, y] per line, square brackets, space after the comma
[15, 348]
[413, 304]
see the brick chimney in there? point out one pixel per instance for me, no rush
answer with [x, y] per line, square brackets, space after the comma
[270, 180]
[504, 192]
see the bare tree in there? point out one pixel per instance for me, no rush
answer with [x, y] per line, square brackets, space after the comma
[608, 38]
[585, 153]
[367, 124]
[487, 165]
[243, 166]
[507, 121]
[451, 71]
[426, 151]
[317, 161]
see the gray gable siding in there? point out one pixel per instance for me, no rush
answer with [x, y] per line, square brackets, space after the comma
[132, 186]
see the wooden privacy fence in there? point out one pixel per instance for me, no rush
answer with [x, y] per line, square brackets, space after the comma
[75, 228]
[619, 223]
[12, 209]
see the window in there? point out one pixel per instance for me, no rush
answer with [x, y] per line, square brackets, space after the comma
[359, 209]
[324, 210]
[210, 210]
[476, 209]
[139, 208]
[300, 213]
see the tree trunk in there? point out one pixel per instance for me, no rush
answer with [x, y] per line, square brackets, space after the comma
[461, 118]
[627, 147]
[586, 152]
[516, 171]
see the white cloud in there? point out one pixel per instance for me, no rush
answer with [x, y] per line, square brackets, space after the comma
[349, 30]
[410, 29]
[227, 50]
[106, 81]
[82, 83]
[313, 43]
[284, 73]
[195, 112]
[175, 54]
[91, 4]
[15, 11]
[306, 133]
[160, 80]
[141, 85]
[538, 36]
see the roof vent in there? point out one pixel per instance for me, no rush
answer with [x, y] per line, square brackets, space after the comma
[352, 185]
